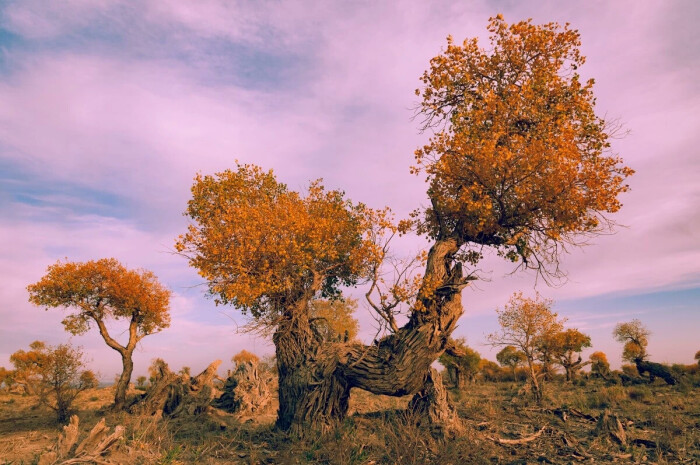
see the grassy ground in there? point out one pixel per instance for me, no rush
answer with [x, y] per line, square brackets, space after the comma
[662, 424]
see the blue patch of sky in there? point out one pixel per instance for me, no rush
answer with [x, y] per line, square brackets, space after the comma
[55, 199]
[666, 300]
[215, 60]
[243, 65]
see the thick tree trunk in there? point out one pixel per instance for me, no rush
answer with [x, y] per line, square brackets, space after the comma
[432, 407]
[123, 383]
[315, 378]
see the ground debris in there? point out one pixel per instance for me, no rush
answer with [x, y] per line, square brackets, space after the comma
[519, 441]
[609, 425]
[92, 449]
[174, 395]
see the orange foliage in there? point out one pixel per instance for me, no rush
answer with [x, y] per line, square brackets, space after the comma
[520, 161]
[245, 357]
[262, 247]
[635, 336]
[599, 363]
[55, 373]
[334, 320]
[103, 289]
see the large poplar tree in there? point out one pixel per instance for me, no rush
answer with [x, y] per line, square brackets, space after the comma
[100, 291]
[519, 162]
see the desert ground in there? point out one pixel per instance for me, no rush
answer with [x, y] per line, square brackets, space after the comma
[576, 423]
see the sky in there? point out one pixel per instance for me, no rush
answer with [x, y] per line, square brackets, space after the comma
[108, 110]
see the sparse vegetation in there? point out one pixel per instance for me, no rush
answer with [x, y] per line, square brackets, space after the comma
[57, 374]
[658, 422]
[518, 163]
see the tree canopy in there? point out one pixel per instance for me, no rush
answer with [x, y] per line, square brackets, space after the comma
[101, 290]
[510, 357]
[520, 161]
[635, 336]
[566, 350]
[525, 323]
[262, 247]
[599, 363]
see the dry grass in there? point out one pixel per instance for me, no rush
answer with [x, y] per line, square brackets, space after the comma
[379, 431]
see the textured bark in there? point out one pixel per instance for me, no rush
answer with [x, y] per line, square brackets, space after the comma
[245, 391]
[124, 378]
[315, 378]
[175, 395]
[92, 449]
[432, 407]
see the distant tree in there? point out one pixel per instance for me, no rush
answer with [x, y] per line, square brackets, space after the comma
[245, 357]
[599, 364]
[268, 364]
[333, 320]
[6, 378]
[511, 357]
[524, 323]
[141, 382]
[57, 374]
[156, 370]
[489, 370]
[697, 356]
[636, 339]
[635, 336]
[102, 290]
[566, 350]
[184, 371]
[28, 366]
[461, 363]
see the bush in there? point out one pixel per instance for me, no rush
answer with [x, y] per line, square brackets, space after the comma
[641, 394]
[56, 373]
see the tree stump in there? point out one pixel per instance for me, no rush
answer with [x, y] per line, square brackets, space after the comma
[246, 391]
[609, 426]
[174, 395]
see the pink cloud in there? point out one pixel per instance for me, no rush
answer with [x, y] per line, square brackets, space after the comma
[140, 127]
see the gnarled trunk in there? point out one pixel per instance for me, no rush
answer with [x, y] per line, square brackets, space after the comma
[315, 377]
[124, 378]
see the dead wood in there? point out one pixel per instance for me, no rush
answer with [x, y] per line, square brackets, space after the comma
[92, 449]
[246, 390]
[656, 370]
[519, 441]
[173, 395]
[609, 426]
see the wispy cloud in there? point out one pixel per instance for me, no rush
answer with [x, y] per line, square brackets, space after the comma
[108, 109]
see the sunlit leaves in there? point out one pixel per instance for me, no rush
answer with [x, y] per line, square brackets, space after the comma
[599, 363]
[262, 247]
[56, 373]
[519, 161]
[103, 289]
[635, 336]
